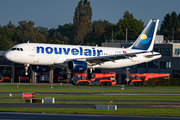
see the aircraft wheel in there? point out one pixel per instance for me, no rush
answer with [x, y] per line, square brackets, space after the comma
[68, 75]
[93, 75]
[26, 73]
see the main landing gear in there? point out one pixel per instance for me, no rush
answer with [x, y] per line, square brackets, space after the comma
[91, 73]
[69, 74]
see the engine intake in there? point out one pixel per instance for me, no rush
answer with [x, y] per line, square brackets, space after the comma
[77, 66]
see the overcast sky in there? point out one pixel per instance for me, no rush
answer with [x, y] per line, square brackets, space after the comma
[51, 13]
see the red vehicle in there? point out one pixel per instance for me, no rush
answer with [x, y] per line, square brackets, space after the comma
[6, 77]
[81, 79]
[1, 78]
[24, 78]
[136, 79]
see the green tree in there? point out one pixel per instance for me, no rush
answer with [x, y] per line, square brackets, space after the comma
[29, 33]
[133, 25]
[66, 33]
[82, 21]
[10, 25]
[170, 25]
[5, 43]
[101, 31]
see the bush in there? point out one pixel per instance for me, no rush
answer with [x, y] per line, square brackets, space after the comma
[151, 82]
[158, 82]
[162, 82]
[174, 82]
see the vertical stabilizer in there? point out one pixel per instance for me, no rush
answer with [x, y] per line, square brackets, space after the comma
[146, 39]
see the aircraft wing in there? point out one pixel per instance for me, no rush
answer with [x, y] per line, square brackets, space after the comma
[102, 59]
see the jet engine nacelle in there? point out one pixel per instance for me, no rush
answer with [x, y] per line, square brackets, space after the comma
[37, 68]
[77, 66]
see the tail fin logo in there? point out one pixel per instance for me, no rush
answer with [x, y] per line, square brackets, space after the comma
[145, 39]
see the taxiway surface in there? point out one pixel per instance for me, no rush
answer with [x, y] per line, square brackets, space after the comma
[45, 116]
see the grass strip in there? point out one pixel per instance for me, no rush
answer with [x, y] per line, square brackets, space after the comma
[115, 97]
[86, 89]
[94, 103]
[104, 97]
[122, 111]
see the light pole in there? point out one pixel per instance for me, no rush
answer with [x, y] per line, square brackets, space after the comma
[127, 74]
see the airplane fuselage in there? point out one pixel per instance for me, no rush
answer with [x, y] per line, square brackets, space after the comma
[53, 55]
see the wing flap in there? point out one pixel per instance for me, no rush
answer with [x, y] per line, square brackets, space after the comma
[150, 56]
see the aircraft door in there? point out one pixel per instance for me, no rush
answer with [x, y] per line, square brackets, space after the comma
[32, 51]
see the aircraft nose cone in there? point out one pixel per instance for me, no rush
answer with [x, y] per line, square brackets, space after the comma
[8, 56]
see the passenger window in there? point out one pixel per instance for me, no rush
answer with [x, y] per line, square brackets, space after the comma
[18, 49]
[21, 49]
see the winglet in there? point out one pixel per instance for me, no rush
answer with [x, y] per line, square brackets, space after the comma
[145, 41]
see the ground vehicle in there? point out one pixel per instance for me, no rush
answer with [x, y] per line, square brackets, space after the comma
[136, 79]
[61, 78]
[81, 79]
[6, 77]
[23, 78]
[1, 78]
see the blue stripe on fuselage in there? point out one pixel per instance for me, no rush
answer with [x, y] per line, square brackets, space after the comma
[66, 51]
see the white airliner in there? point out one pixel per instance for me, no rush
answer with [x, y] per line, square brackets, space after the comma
[80, 58]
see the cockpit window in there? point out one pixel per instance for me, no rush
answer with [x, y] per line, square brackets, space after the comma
[19, 49]
[13, 49]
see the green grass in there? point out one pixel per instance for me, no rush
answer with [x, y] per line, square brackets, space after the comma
[115, 97]
[87, 89]
[93, 103]
[104, 97]
[95, 89]
[122, 111]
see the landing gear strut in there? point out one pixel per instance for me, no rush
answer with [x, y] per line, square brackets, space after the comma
[67, 74]
[26, 68]
[91, 73]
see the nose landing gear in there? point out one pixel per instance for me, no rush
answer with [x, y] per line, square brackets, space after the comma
[26, 68]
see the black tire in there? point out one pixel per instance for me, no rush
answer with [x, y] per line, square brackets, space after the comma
[80, 84]
[140, 83]
[108, 84]
[134, 83]
[93, 75]
[86, 84]
[102, 83]
[68, 75]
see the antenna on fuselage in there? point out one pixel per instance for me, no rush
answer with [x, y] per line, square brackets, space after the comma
[27, 41]
[96, 45]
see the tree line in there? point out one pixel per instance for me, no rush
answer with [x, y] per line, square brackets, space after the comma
[83, 31]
